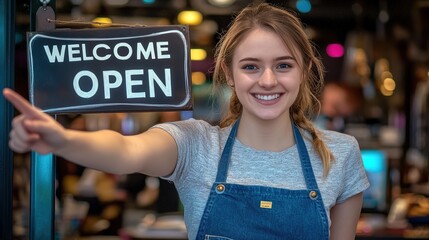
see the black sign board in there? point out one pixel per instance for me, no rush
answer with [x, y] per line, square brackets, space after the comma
[110, 70]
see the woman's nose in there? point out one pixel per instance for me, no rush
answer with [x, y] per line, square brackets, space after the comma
[268, 79]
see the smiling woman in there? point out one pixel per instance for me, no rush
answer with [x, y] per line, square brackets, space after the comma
[266, 161]
[265, 75]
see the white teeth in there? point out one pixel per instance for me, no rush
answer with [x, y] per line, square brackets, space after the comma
[267, 97]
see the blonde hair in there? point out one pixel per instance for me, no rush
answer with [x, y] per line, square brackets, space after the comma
[290, 29]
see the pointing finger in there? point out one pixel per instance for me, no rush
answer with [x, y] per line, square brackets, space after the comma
[22, 104]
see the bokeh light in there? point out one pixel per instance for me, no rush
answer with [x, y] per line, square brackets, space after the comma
[335, 50]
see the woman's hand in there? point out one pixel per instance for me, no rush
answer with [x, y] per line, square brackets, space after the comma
[33, 130]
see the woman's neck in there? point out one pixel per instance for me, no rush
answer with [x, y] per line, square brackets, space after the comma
[271, 135]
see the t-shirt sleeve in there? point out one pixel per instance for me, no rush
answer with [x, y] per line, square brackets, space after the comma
[355, 178]
[187, 135]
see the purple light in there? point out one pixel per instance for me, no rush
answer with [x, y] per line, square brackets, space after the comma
[335, 50]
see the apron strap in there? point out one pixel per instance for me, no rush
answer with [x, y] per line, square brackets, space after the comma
[307, 169]
[226, 154]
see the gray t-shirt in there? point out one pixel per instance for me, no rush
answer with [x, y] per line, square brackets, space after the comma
[200, 147]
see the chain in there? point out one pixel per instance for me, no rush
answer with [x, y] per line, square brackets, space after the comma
[45, 2]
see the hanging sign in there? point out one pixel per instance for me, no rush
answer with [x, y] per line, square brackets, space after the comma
[110, 70]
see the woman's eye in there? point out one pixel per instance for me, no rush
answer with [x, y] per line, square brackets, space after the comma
[283, 66]
[249, 67]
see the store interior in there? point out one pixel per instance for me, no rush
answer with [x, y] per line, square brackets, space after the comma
[376, 55]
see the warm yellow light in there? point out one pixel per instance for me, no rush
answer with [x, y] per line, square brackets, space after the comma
[389, 84]
[101, 22]
[190, 17]
[198, 78]
[385, 92]
[198, 54]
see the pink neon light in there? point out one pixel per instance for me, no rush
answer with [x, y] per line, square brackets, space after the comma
[335, 50]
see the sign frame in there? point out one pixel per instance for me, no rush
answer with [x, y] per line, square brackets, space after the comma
[42, 92]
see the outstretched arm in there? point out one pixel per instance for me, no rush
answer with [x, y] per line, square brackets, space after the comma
[344, 218]
[153, 152]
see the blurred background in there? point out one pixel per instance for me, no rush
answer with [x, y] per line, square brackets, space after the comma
[377, 89]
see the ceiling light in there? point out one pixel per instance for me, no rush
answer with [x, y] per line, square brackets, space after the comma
[190, 17]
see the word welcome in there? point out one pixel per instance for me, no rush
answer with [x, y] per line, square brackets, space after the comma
[102, 52]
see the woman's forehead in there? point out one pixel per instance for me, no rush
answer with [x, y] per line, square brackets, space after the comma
[264, 43]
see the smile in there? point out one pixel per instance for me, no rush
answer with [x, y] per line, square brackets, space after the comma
[267, 97]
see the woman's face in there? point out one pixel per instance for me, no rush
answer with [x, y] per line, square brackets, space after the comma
[266, 76]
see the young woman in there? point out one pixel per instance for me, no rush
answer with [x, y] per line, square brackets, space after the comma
[266, 172]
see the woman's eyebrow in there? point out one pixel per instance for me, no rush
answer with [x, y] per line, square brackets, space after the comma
[285, 58]
[250, 59]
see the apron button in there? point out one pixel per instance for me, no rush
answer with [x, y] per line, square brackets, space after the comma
[220, 188]
[313, 194]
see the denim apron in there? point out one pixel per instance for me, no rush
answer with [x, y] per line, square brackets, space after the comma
[257, 212]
